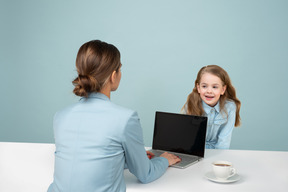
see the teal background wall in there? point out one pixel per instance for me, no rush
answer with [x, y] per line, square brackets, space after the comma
[163, 45]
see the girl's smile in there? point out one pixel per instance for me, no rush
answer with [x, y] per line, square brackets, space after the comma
[208, 97]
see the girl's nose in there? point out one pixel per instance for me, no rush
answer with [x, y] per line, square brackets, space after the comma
[209, 90]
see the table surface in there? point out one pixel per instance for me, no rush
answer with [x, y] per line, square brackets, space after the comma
[29, 167]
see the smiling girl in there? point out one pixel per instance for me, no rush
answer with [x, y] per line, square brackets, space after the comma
[215, 97]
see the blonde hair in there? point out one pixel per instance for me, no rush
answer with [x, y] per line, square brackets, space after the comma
[95, 62]
[194, 101]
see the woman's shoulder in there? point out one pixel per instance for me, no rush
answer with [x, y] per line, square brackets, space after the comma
[122, 110]
[81, 108]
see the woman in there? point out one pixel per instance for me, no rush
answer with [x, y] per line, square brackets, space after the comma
[94, 138]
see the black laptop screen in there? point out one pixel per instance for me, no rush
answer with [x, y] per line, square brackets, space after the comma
[180, 133]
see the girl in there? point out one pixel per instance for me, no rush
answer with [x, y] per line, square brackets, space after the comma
[95, 137]
[214, 96]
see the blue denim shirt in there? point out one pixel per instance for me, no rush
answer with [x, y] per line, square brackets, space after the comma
[220, 125]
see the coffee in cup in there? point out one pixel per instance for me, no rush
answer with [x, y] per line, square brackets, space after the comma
[223, 169]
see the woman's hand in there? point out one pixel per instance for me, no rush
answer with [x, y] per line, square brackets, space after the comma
[150, 155]
[172, 159]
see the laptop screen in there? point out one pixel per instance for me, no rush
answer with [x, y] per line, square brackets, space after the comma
[180, 133]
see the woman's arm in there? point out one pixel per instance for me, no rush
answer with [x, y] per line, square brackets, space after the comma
[135, 155]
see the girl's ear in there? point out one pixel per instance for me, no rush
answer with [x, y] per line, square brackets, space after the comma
[223, 89]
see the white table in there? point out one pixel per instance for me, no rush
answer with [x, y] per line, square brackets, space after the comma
[260, 171]
[28, 167]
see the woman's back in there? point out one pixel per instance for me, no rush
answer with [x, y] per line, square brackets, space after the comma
[88, 138]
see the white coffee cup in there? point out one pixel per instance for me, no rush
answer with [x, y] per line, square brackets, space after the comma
[223, 169]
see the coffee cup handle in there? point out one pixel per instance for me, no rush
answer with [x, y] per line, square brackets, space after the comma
[233, 172]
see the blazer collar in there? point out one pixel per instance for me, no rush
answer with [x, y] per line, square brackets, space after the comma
[97, 95]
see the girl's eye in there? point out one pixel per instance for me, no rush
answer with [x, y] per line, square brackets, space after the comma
[215, 87]
[204, 86]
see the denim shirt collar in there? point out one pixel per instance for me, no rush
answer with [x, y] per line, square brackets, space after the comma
[208, 108]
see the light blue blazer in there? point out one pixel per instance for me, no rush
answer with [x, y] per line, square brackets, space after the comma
[94, 138]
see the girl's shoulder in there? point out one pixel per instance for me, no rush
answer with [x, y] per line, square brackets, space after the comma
[184, 109]
[230, 105]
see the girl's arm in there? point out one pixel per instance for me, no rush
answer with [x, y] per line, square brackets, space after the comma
[224, 137]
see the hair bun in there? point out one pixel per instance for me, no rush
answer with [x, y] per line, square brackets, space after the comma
[84, 84]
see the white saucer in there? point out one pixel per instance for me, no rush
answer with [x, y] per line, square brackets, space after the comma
[210, 176]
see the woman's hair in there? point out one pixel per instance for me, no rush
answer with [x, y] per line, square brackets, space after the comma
[96, 60]
[194, 101]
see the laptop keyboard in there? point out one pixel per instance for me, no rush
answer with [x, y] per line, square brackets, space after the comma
[185, 159]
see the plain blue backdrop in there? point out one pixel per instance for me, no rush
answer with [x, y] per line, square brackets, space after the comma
[163, 44]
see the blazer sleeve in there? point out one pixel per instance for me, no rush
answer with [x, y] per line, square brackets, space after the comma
[138, 163]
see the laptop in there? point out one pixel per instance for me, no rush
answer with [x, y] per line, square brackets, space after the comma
[180, 134]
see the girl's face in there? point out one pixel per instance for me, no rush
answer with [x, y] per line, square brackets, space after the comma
[210, 89]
